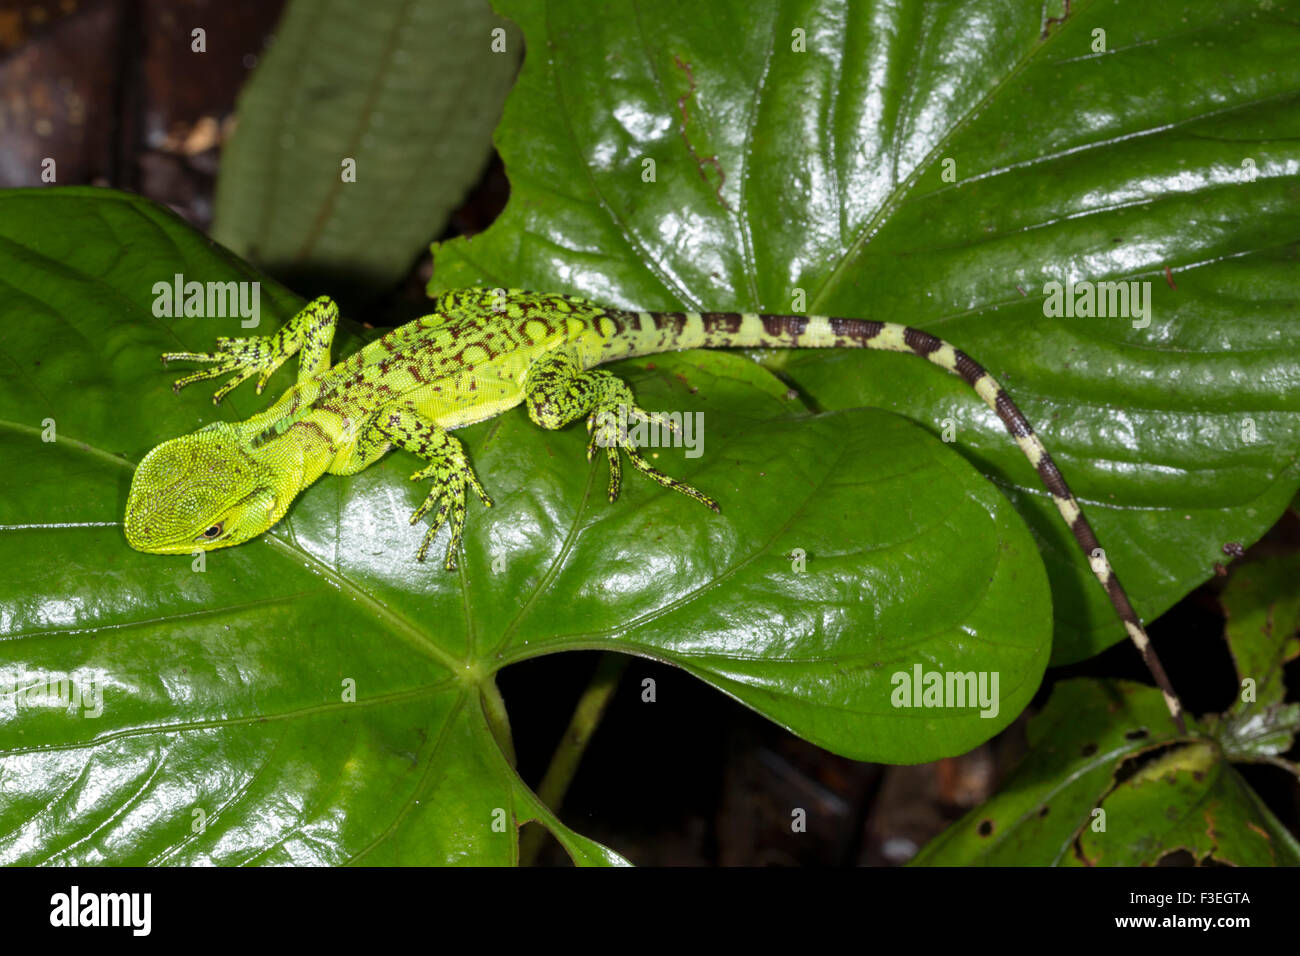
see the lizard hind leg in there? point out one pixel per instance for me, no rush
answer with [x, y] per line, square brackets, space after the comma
[449, 468]
[558, 391]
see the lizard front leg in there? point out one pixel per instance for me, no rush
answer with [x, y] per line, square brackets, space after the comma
[448, 467]
[558, 390]
[310, 333]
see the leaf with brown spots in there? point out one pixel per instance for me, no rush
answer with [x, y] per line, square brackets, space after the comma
[1188, 798]
[1085, 730]
[1107, 783]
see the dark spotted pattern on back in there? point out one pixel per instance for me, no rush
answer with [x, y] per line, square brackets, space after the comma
[491, 324]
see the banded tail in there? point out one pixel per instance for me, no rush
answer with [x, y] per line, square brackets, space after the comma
[643, 333]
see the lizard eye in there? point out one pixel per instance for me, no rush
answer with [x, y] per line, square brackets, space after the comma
[214, 531]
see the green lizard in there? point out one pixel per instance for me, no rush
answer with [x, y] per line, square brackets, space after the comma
[478, 354]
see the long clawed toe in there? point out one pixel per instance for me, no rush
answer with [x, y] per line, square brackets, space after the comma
[449, 495]
[614, 441]
[642, 464]
[227, 360]
[439, 518]
[210, 373]
[615, 473]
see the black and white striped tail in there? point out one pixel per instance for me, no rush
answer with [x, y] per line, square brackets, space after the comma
[657, 332]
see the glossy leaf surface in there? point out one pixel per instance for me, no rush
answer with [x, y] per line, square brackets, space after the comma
[316, 696]
[938, 164]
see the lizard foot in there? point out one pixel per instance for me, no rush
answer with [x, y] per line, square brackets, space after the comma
[448, 493]
[242, 357]
[608, 429]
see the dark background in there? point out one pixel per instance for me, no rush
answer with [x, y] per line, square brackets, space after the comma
[109, 89]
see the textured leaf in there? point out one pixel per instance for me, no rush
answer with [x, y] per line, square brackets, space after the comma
[1169, 154]
[408, 91]
[1262, 603]
[1075, 744]
[224, 689]
[1187, 799]
[1110, 746]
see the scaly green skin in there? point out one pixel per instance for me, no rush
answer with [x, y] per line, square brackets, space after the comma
[478, 354]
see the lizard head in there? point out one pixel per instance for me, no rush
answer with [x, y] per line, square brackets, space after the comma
[200, 491]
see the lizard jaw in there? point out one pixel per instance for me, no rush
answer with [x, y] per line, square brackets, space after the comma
[196, 493]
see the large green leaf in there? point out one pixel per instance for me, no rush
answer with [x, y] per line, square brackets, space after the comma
[224, 684]
[1106, 783]
[408, 92]
[1099, 140]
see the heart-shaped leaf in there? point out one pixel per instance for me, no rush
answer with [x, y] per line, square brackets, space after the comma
[318, 696]
[940, 164]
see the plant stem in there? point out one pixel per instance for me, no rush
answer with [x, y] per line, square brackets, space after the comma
[498, 720]
[568, 752]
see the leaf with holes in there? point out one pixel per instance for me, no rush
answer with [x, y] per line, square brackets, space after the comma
[940, 164]
[1107, 782]
[1188, 800]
